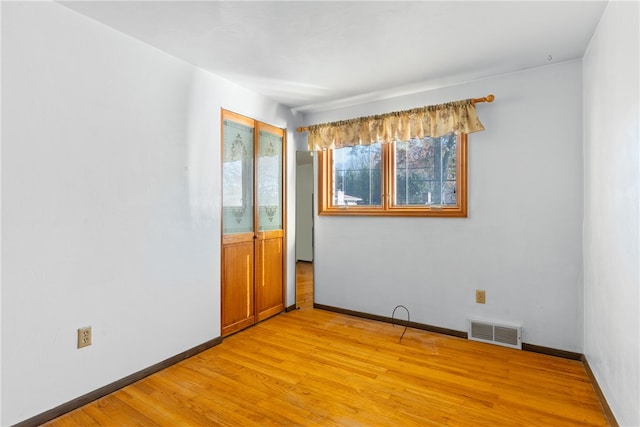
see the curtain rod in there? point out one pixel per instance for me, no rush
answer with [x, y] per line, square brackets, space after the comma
[474, 101]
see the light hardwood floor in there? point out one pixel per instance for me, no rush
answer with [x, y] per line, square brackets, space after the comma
[304, 284]
[316, 368]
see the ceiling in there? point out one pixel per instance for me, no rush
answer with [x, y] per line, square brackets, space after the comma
[315, 55]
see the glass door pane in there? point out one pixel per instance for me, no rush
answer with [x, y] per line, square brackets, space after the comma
[237, 178]
[269, 181]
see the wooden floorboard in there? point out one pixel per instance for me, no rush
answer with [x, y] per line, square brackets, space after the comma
[304, 284]
[318, 368]
[312, 367]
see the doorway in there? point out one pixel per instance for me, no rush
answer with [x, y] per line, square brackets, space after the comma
[304, 229]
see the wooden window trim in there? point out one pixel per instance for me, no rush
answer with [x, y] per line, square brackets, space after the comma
[325, 185]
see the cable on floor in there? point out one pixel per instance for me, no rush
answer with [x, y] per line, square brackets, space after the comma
[408, 319]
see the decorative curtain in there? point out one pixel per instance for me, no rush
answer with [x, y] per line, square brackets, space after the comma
[433, 121]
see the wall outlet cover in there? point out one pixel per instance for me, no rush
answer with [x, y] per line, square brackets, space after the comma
[84, 337]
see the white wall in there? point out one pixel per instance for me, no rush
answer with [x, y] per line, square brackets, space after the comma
[304, 211]
[522, 241]
[611, 205]
[111, 204]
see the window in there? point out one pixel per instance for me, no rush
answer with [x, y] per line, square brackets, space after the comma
[419, 177]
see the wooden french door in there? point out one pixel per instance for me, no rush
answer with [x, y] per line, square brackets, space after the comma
[253, 218]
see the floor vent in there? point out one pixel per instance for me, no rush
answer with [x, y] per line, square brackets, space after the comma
[505, 334]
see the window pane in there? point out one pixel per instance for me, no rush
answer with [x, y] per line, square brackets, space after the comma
[425, 171]
[357, 175]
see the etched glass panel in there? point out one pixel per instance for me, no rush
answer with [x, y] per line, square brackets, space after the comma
[426, 171]
[269, 178]
[237, 178]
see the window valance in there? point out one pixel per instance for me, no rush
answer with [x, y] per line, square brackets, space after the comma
[433, 120]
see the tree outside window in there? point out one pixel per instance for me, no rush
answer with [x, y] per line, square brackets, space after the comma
[419, 177]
